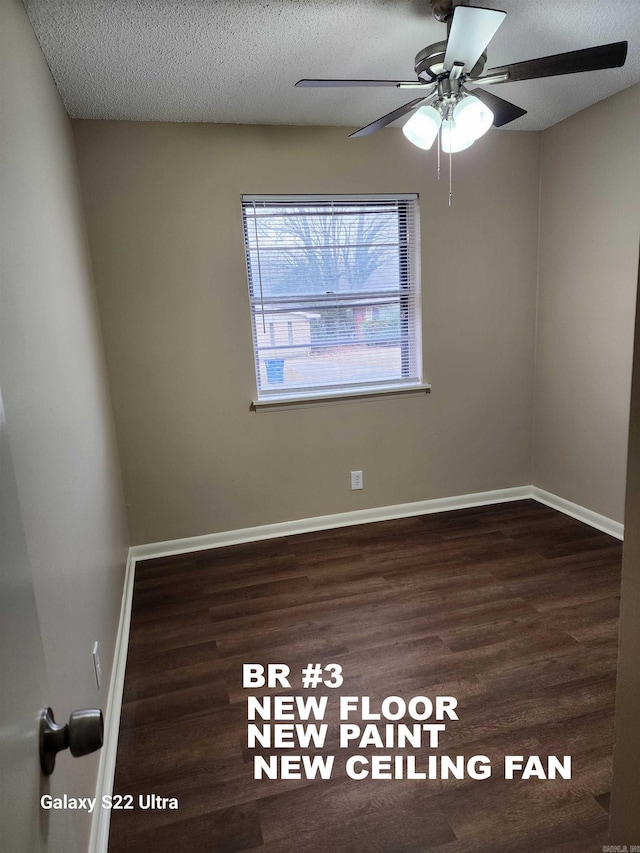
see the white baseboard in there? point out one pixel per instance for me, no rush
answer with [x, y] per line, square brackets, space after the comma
[593, 519]
[99, 838]
[326, 522]
[100, 826]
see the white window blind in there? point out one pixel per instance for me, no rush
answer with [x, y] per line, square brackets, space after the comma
[334, 293]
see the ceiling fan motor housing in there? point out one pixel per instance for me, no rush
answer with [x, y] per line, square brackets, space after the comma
[429, 63]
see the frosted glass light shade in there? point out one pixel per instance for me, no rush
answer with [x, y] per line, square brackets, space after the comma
[453, 138]
[422, 128]
[472, 117]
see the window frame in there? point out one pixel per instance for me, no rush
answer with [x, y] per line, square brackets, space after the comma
[410, 342]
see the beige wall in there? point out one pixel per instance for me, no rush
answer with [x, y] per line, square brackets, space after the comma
[588, 261]
[625, 815]
[54, 389]
[162, 204]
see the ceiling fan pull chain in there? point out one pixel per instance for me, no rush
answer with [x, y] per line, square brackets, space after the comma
[439, 146]
[450, 169]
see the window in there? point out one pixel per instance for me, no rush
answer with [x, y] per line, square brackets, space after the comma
[334, 294]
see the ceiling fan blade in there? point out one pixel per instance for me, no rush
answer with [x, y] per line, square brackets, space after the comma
[503, 111]
[318, 84]
[385, 120]
[589, 59]
[471, 31]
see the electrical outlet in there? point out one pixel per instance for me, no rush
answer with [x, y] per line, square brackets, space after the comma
[356, 480]
[96, 664]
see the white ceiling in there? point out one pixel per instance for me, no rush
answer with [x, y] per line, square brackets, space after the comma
[236, 61]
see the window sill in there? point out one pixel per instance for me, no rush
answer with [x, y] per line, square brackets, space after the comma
[301, 401]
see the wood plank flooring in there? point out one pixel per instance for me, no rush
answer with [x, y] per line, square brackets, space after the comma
[510, 608]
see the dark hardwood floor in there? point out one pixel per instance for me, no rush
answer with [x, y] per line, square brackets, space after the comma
[511, 608]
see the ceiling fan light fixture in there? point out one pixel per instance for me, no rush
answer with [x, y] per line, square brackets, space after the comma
[472, 117]
[454, 139]
[422, 128]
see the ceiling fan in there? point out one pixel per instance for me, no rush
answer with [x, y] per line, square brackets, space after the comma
[446, 108]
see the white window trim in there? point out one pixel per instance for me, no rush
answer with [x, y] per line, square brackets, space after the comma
[303, 400]
[275, 401]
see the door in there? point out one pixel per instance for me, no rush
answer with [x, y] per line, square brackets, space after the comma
[24, 691]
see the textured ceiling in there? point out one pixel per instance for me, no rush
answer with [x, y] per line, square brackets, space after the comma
[236, 61]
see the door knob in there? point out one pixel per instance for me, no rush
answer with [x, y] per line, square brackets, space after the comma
[83, 734]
